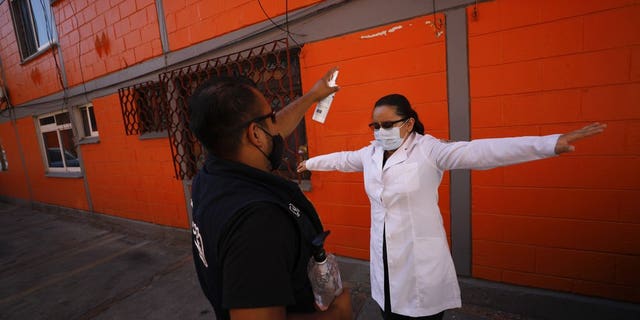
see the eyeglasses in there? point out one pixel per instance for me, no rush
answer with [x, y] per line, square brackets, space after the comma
[384, 124]
[271, 115]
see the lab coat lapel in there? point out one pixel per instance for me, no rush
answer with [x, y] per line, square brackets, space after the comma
[401, 154]
[397, 157]
[377, 158]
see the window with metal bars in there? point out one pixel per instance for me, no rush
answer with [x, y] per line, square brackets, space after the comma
[275, 69]
[149, 102]
[143, 108]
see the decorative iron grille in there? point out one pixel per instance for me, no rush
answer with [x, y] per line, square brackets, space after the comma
[274, 67]
[143, 108]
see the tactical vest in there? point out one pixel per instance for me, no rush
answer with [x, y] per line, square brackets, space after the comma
[220, 191]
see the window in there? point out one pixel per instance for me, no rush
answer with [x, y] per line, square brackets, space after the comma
[148, 99]
[274, 67]
[33, 23]
[58, 143]
[88, 118]
[143, 109]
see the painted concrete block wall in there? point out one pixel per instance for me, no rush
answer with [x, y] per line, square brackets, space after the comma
[100, 37]
[36, 74]
[193, 21]
[96, 38]
[405, 58]
[129, 177]
[570, 223]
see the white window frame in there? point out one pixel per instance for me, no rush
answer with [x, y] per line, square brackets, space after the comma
[84, 118]
[38, 32]
[54, 127]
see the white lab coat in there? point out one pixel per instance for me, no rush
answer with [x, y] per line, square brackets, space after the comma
[404, 197]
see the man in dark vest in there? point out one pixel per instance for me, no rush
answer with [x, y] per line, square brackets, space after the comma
[252, 229]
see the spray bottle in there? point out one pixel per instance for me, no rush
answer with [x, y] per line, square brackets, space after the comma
[324, 274]
[322, 108]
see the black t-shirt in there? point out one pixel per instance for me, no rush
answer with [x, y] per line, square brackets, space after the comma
[258, 256]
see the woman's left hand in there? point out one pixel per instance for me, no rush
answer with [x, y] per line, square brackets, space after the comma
[564, 142]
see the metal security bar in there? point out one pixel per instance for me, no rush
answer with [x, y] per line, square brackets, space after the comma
[273, 67]
[143, 108]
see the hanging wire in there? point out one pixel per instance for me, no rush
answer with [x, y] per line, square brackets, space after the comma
[5, 95]
[54, 50]
[65, 87]
[438, 24]
[65, 94]
[286, 18]
[84, 84]
[289, 34]
[475, 11]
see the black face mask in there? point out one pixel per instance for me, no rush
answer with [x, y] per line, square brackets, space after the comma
[275, 157]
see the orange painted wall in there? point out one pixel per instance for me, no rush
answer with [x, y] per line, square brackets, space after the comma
[35, 74]
[100, 37]
[193, 21]
[66, 192]
[12, 182]
[570, 223]
[96, 38]
[129, 177]
[409, 60]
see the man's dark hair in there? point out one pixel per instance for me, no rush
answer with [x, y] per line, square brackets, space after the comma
[218, 108]
[403, 109]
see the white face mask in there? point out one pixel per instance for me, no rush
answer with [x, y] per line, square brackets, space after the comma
[390, 139]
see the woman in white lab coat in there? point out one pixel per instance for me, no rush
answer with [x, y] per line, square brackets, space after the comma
[412, 273]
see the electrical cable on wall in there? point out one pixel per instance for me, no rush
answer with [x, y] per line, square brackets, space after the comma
[289, 34]
[65, 88]
[5, 98]
[286, 20]
[475, 11]
[54, 50]
[437, 24]
[84, 84]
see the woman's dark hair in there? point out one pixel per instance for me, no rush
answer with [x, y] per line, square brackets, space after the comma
[403, 109]
[217, 110]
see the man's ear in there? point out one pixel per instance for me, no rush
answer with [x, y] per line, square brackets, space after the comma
[252, 134]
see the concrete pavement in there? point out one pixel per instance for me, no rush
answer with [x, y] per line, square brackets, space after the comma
[58, 263]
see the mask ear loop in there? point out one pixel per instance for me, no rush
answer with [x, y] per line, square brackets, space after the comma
[406, 121]
[409, 132]
[272, 137]
[414, 122]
